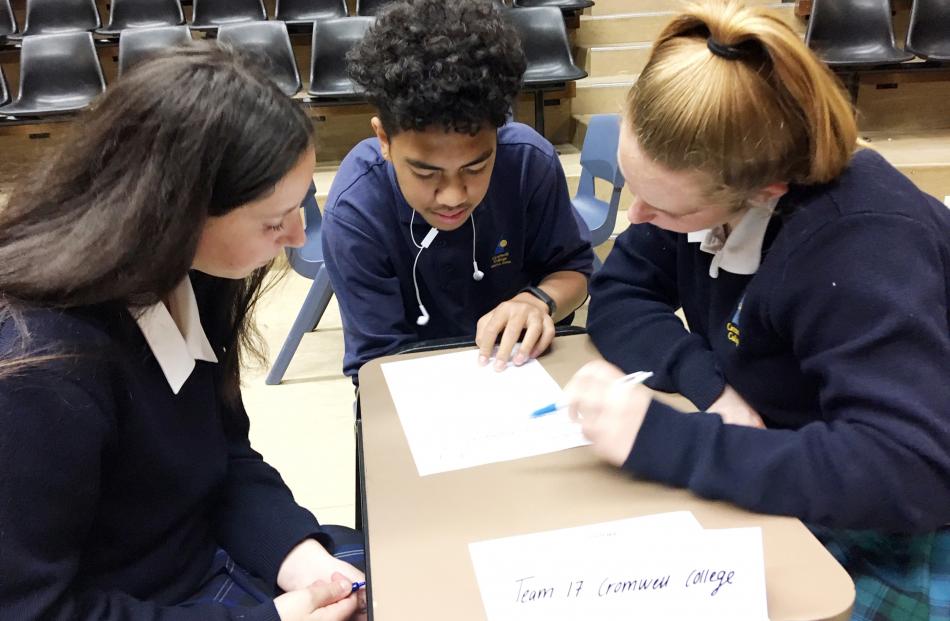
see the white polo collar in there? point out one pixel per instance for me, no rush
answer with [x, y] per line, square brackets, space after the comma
[741, 251]
[175, 336]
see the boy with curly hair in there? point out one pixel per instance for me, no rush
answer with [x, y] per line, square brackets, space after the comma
[451, 222]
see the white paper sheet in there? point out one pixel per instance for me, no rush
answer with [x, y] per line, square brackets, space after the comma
[457, 414]
[662, 568]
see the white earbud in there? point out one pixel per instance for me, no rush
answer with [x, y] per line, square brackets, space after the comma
[477, 274]
[423, 318]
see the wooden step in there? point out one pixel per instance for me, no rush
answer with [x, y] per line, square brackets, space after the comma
[614, 59]
[602, 95]
[613, 7]
[633, 27]
[923, 156]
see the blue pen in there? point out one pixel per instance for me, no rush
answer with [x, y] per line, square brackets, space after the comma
[637, 378]
[357, 586]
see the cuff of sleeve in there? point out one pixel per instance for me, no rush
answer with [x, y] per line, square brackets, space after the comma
[277, 544]
[670, 444]
[696, 383]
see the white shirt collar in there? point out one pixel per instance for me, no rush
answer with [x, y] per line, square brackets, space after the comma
[175, 336]
[741, 251]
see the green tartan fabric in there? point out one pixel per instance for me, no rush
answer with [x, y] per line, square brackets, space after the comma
[896, 577]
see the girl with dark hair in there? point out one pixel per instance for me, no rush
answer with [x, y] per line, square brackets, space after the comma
[814, 277]
[129, 270]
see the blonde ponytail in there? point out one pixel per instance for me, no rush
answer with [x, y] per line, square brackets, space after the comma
[751, 107]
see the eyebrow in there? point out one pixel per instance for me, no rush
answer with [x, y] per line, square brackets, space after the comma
[478, 160]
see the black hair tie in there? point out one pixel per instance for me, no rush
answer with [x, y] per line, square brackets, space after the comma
[729, 52]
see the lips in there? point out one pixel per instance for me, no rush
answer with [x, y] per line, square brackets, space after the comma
[453, 215]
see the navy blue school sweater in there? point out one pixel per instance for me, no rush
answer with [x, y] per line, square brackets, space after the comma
[115, 493]
[841, 341]
[526, 229]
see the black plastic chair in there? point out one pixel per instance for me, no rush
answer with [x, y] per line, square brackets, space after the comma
[128, 14]
[566, 6]
[370, 7]
[59, 73]
[548, 52]
[854, 33]
[8, 25]
[210, 14]
[4, 91]
[58, 16]
[138, 44]
[929, 33]
[293, 12]
[332, 39]
[269, 42]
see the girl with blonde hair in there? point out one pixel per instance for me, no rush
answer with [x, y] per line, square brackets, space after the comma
[814, 279]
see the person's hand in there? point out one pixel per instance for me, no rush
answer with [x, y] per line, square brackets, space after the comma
[309, 562]
[610, 412]
[524, 312]
[321, 601]
[734, 410]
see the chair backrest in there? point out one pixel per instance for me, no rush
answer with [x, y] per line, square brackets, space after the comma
[144, 14]
[302, 11]
[928, 35]
[853, 32]
[209, 14]
[4, 91]
[564, 5]
[370, 7]
[270, 43]
[8, 23]
[599, 153]
[56, 16]
[138, 44]
[58, 73]
[332, 39]
[546, 46]
[308, 259]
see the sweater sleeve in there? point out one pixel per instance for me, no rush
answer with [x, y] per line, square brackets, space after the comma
[864, 307]
[258, 521]
[56, 424]
[632, 322]
[557, 240]
[368, 292]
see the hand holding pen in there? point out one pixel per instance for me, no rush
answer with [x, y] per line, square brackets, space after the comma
[610, 407]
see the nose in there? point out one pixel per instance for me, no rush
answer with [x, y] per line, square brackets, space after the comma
[452, 193]
[295, 235]
[639, 211]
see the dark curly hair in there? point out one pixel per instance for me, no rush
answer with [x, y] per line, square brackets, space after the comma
[457, 63]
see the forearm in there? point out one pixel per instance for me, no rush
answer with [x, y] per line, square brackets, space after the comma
[568, 289]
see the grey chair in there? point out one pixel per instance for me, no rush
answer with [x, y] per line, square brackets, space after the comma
[58, 16]
[128, 14]
[59, 73]
[210, 14]
[308, 262]
[269, 42]
[295, 12]
[8, 25]
[567, 6]
[4, 91]
[548, 52]
[370, 7]
[138, 44]
[928, 35]
[332, 39]
[853, 33]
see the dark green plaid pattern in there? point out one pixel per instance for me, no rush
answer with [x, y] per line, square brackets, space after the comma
[896, 577]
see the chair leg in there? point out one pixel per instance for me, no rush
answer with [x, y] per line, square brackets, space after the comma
[539, 112]
[309, 316]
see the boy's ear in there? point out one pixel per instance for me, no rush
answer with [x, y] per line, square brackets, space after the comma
[382, 135]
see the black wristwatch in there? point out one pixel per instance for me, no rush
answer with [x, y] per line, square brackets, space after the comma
[544, 297]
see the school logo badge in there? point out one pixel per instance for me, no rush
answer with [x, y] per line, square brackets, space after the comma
[732, 327]
[501, 255]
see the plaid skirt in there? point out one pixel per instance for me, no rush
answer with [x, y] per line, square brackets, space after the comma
[896, 577]
[229, 585]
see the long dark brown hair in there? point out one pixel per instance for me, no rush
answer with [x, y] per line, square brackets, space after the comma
[115, 216]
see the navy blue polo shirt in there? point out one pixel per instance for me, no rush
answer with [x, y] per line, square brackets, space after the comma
[525, 227]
